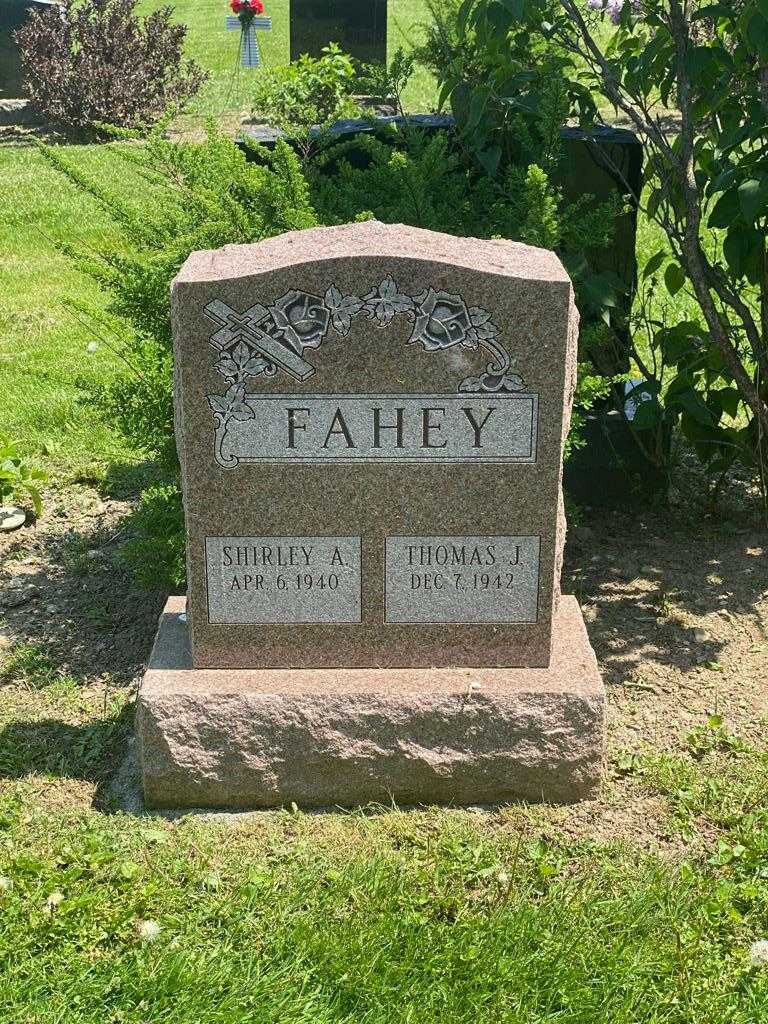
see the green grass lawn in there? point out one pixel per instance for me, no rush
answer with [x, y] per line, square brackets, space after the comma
[423, 917]
[43, 344]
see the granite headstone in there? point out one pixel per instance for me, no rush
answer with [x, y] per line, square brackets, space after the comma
[370, 423]
[358, 26]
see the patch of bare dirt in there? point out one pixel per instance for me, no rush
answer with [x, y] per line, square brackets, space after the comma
[64, 587]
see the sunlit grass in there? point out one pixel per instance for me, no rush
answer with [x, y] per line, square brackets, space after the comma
[43, 345]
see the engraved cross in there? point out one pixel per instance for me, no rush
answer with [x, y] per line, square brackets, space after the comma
[248, 325]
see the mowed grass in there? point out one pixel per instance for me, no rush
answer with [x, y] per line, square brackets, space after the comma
[380, 916]
[394, 917]
[43, 344]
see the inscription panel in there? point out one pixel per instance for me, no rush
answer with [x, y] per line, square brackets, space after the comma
[254, 580]
[462, 579]
[384, 428]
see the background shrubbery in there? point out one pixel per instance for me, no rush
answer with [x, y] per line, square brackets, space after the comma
[97, 63]
[204, 195]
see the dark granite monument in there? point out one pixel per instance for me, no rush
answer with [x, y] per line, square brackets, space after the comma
[13, 14]
[358, 26]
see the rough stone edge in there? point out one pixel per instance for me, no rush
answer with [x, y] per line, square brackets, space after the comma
[369, 239]
[192, 751]
[571, 369]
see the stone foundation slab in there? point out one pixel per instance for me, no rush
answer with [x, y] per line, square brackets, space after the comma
[249, 738]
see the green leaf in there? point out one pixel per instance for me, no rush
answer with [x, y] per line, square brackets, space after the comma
[674, 278]
[477, 107]
[37, 500]
[743, 249]
[726, 210]
[728, 399]
[490, 159]
[713, 11]
[757, 34]
[654, 201]
[698, 61]
[647, 415]
[603, 290]
[654, 263]
[753, 197]
[515, 7]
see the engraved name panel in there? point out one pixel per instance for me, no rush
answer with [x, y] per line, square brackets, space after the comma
[440, 428]
[462, 579]
[283, 579]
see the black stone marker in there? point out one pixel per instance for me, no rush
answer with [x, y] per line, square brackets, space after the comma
[13, 14]
[358, 26]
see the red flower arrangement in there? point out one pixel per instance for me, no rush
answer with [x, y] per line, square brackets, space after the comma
[247, 9]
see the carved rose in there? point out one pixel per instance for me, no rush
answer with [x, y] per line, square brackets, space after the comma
[442, 320]
[302, 319]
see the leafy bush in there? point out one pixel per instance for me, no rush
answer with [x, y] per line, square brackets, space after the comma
[98, 63]
[310, 93]
[156, 550]
[206, 196]
[19, 481]
[709, 190]
[199, 196]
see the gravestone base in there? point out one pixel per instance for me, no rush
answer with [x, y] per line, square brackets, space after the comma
[248, 738]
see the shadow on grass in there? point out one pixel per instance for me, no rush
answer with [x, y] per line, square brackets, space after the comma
[650, 576]
[92, 752]
[73, 596]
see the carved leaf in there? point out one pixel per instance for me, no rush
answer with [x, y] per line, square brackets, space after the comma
[218, 404]
[343, 308]
[241, 412]
[385, 302]
[389, 292]
[493, 382]
[232, 404]
[479, 316]
[240, 363]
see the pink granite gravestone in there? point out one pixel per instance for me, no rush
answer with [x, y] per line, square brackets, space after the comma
[370, 422]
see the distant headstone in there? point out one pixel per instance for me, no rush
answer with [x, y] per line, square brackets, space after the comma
[358, 26]
[13, 14]
[370, 423]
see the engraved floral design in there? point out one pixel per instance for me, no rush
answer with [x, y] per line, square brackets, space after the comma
[490, 382]
[342, 308]
[442, 320]
[264, 339]
[302, 319]
[226, 408]
[231, 405]
[241, 362]
[383, 303]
